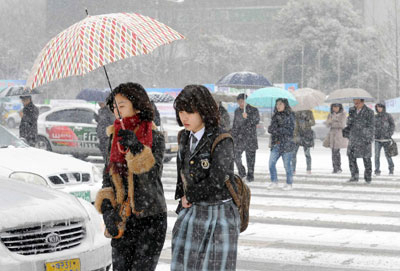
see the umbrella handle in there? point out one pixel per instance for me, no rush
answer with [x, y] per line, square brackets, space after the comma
[120, 148]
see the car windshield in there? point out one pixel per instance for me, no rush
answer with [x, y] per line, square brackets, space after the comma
[8, 139]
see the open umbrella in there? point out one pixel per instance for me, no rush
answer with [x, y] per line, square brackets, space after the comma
[266, 97]
[243, 80]
[93, 95]
[346, 95]
[96, 41]
[159, 97]
[308, 98]
[18, 90]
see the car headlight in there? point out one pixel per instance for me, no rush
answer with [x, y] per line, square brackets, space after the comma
[28, 178]
[97, 175]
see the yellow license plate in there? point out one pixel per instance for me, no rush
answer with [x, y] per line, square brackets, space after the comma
[66, 265]
[174, 148]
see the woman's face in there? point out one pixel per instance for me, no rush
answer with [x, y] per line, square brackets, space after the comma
[192, 121]
[335, 109]
[280, 107]
[125, 107]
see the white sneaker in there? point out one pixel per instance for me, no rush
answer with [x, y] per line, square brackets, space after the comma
[287, 187]
[272, 185]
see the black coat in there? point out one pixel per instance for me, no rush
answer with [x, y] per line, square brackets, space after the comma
[28, 126]
[384, 125]
[225, 120]
[204, 173]
[244, 131]
[282, 129]
[303, 133]
[104, 119]
[360, 131]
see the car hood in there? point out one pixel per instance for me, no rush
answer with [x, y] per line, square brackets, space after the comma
[23, 205]
[40, 162]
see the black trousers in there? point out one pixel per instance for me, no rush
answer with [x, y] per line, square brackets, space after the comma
[140, 246]
[336, 160]
[354, 167]
[250, 160]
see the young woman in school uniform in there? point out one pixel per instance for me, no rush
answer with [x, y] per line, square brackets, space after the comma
[206, 232]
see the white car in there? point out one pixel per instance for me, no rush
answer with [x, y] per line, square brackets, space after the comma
[69, 130]
[14, 119]
[62, 172]
[46, 230]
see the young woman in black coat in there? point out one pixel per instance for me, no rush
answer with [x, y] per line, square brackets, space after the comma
[132, 198]
[206, 232]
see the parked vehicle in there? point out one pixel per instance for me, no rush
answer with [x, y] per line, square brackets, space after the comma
[44, 229]
[14, 119]
[62, 172]
[69, 130]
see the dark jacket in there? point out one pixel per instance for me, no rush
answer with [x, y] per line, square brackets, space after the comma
[282, 129]
[104, 119]
[224, 121]
[303, 133]
[28, 126]
[204, 173]
[244, 131]
[157, 117]
[384, 124]
[360, 131]
[147, 169]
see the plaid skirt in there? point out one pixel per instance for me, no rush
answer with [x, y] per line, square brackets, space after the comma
[205, 237]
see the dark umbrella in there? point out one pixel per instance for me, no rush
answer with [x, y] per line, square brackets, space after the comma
[93, 95]
[159, 97]
[246, 80]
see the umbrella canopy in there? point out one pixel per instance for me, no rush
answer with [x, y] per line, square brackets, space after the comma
[246, 80]
[224, 97]
[16, 91]
[308, 98]
[346, 95]
[93, 95]
[266, 97]
[96, 41]
[159, 97]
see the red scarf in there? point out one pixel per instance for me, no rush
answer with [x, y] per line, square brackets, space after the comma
[144, 133]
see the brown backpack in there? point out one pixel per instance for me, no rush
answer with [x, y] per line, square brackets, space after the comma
[239, 190]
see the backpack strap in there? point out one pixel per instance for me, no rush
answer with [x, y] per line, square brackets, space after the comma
[219, 139]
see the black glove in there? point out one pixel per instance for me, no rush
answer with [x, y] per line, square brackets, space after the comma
[111, 218]
[129, 140]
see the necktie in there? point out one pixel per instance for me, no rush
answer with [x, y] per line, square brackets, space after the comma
[194, 141]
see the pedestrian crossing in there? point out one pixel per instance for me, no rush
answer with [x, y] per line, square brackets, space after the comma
[323, 224]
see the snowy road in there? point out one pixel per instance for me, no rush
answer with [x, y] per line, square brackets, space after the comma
[323, 224]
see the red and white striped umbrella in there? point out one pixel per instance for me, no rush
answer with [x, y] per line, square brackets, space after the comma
[96, 41]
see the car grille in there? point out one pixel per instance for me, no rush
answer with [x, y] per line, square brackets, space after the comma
[42, 239]
[73, 177]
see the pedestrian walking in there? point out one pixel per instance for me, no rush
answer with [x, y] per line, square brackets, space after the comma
[336, 121]
[244, 132]
[360, 132]
[224, 119]
[104, 118]
[384, 129]
[132, 198]
[206, 232]
[303, 136]
[282, 144]
[29, 116]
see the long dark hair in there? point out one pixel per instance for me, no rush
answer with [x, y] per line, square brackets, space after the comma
[287, 110]
[137, 95]
[197, 98]
[338, 105]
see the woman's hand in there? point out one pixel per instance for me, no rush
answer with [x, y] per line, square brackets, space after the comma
[185, 202]
[129, 140]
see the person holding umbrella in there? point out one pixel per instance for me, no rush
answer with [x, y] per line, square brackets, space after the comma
[29, 116]
[336, 121]
[282, 144]
[360, 132]
[244, 133]
[132, 198]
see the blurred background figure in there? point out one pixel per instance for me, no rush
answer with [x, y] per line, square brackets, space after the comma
[224, 119]
[384, 129]
[104, 119]
[245, 136]
[336, 121]
[157, 118]
[303, 136]
[29, 116]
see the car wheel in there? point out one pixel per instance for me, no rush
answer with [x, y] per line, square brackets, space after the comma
[167, 159]
[80, 156]
[11, 123]
[43, 144]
